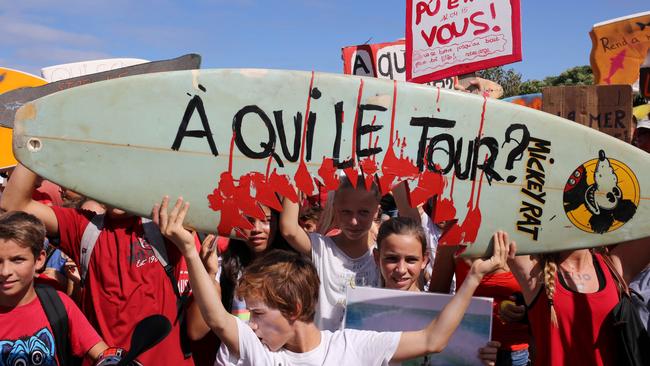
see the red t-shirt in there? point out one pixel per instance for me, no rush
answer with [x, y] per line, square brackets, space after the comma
[125, 283]
[25, 333]
[582, 336]
[499, 286]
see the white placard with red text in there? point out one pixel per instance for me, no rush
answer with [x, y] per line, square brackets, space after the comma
[452, 37]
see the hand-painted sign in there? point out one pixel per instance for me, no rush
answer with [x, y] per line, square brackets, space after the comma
[67, 71]
[382, 60]
[619, 48]
[607, 108]
[451, 37]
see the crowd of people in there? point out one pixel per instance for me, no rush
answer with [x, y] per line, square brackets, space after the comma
[277, 295]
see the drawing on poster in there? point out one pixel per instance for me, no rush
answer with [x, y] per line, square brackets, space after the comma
[393, 310]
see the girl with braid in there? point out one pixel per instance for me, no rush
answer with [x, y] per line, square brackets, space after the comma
[569, 296]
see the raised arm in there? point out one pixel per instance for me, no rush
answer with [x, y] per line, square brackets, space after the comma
[206, 296]
[631, 257]
[404, 209]
[17, 196]
[290, 228]
[197, 328]
[528, 271]
[443, 269]
[436, 335]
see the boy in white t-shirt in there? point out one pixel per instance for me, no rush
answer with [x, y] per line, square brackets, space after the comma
[281, 291]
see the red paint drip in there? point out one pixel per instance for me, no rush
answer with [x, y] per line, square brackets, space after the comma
[352, 175]
[368, 168]
[374, 120]
[304, 131]
[327, 172]
[232, 148]
[438, 100]
[304, 181]
[356, 120]
[468, 230]
[392, 114]
[268, 166]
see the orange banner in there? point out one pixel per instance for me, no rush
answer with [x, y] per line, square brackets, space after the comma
[10, 80]
[619, 48]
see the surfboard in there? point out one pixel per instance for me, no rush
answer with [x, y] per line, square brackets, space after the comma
[11, 101]
[228, 139]
[75, 69]
[9, 80]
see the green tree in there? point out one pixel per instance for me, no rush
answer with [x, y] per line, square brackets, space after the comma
[532, 86]
[508, 79]
[578, 75]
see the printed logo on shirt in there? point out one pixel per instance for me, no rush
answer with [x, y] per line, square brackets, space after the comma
[141, 253]
[38, 349]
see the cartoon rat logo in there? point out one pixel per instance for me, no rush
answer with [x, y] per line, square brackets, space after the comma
[596, 200]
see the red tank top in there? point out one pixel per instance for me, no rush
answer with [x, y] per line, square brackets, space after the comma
[499, 286]
[583, 336]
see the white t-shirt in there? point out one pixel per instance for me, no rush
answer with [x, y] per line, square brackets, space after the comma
[340, 348]
[432, 233]
[337, 271]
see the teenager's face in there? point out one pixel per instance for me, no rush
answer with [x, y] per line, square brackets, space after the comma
[269, 325]
[17, 270]
[401, 260]
[257, 238]
[355, 211]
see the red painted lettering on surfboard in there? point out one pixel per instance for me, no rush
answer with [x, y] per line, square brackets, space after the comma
[467, 231]
[303, 179]
[233, 197]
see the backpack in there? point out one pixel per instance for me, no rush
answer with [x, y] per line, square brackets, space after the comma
[633, 339]
[57, 316]
[157, 242]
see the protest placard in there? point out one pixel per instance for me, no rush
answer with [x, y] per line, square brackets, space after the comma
[607, 108]
[394, 310]
[619, 47]
[382, 60]
[452, 37]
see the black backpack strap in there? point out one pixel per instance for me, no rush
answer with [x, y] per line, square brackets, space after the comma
[57, 316]
[154, 237]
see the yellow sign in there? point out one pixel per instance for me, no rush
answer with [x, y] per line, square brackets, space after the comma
[10, 80]
[619, 48]
[601, 195]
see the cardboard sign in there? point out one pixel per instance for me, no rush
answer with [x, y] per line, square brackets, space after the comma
[383, 61]
[644, 82]
[452, 37]
[394, 310]
[607, 108]
[619, 47]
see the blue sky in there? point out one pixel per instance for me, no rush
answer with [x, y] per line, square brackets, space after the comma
[289, 34]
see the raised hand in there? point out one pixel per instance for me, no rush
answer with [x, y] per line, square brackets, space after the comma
[209, 254]
[501, 246]
[171, 224]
